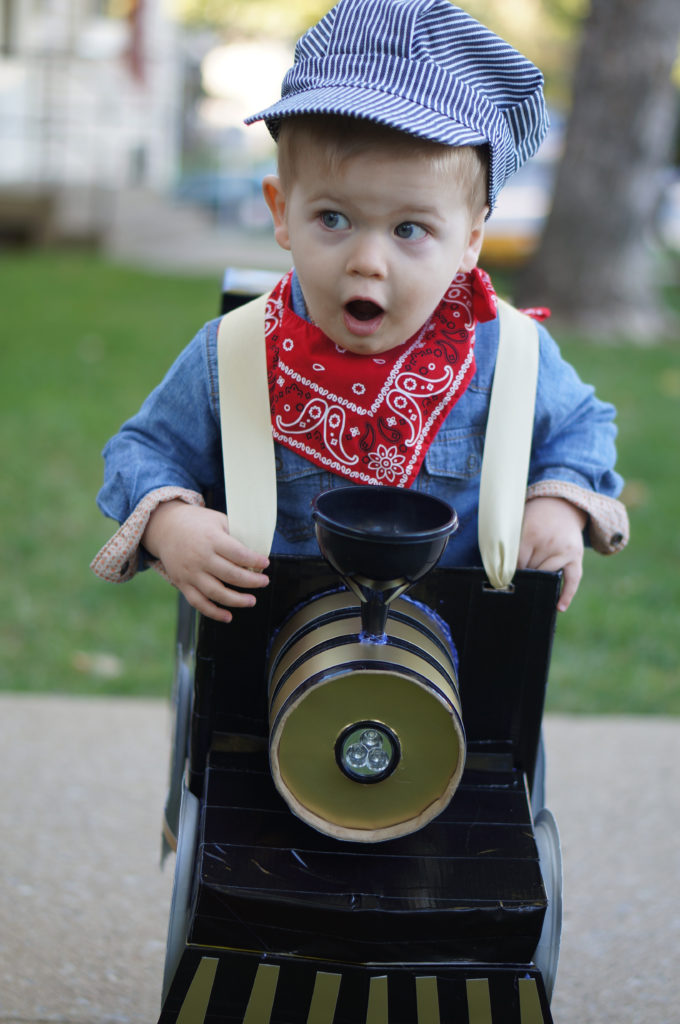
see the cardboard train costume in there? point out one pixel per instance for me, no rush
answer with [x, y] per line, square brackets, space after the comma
[356, 781]
[355, 787]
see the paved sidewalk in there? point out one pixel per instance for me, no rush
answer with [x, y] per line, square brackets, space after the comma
[149, 230]
[84, 906]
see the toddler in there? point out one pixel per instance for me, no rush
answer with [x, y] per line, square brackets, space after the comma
[398, 125]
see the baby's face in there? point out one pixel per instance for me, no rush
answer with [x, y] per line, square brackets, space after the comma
[375, 242]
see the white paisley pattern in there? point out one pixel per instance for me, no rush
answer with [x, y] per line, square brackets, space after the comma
[321, 415]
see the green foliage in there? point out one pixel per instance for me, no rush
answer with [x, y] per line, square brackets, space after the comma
[268, 18]
[85, 341]
[545, 30]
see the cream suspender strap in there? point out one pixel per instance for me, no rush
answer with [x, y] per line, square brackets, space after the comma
[507, 445]
[247, 442]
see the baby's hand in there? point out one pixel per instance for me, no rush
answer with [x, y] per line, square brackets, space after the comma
[552, 539]
[201, 558]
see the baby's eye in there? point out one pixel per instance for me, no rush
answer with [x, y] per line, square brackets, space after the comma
[333, 220]
[410, 231]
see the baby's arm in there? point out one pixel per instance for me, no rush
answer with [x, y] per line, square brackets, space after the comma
[157, 469]
[572, 481]
[552, 539]
[202, 559]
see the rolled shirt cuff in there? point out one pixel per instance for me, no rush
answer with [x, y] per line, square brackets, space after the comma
[118, 561]
[608, 526]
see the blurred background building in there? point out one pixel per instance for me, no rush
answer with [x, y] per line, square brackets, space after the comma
[89, 95]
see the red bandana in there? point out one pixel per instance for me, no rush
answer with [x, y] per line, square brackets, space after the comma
[371, 418]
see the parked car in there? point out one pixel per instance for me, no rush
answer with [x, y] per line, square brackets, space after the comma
[234, 199]
[514, 229]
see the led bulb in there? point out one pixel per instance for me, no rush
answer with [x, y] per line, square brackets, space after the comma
[378, 760]
[356, 755]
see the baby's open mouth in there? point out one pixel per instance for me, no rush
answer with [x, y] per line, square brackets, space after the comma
[363, 309]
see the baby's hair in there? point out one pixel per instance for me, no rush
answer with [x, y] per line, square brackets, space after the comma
[344, 137]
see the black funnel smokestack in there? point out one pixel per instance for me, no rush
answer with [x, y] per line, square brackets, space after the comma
[381, 540]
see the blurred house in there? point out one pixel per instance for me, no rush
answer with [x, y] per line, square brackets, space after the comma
[89, 104]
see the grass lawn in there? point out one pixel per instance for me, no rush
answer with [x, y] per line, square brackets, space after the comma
[83, 344]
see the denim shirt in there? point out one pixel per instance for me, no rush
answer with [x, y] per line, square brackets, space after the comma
[174, 440]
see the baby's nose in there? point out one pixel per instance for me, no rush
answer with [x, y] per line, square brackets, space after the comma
[367, 257]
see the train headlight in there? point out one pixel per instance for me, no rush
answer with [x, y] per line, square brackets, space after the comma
[367, 751]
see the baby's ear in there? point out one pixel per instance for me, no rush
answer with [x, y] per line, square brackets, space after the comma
[474, 245]
[275, 198]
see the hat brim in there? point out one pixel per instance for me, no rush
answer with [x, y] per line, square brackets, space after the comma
[383, 108]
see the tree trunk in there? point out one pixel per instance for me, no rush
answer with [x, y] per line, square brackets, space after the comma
[596, 263]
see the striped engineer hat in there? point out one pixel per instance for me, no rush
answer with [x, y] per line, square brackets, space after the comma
[423, 67]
